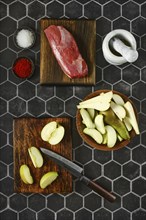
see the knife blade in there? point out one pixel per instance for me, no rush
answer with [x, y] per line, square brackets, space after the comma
[77, 171]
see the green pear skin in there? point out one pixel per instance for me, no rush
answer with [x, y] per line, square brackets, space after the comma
[111, 119]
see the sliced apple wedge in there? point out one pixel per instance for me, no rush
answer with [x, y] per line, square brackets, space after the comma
[91, 112]
[104, 138]
[132, 117]
[47, 130]
[92, 132]
[118, 110]
[25, 174]
[36, 157]
[111, 136]
[47, 179]
[57, 135]
[118, 99]
[127, 123]
[87, 119]
[99, 124]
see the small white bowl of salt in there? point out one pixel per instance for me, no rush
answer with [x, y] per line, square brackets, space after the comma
[24, 38]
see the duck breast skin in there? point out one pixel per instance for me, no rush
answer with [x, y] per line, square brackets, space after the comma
[66, 51]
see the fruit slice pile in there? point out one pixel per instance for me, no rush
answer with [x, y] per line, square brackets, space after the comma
[108, 119]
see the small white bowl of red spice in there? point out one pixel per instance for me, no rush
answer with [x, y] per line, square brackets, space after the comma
[23, 67]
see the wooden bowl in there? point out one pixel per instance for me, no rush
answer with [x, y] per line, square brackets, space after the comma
[88, 139]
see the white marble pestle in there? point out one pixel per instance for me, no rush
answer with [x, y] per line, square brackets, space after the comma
[115, 49]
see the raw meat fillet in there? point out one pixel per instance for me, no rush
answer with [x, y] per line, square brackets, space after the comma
[66, 51]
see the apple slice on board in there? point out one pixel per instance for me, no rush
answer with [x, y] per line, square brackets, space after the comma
[25, 174]
[47, 179]
[36, 157]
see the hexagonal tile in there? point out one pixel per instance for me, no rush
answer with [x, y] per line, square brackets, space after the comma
[139, 1]
[121, 186]
[92, 170]
[45, 214]
[83, 214]
[3, 10]
[6, 122]
[64, 92]
[112, 170]
[5, 23]
[6, 154]
[17, 106]
[130, 10]
[26, 20]
[81, 92]
[143, 42]
[83, 154]
[101, 62]
[143, 136]
[74, 202]
[57, 200]
[36, 10]
[55, 9]
[102, 156]
[131, 74]
[3, 139]
[40, 106]
[131, 202]
[103, 26]
[121, 23]
[3, 170]
[92, 10]
[73, 10]
[143, 202]
[55, 106]
[7, 186]
[26, 86]
[103, 181]
[71, 106]
[139, 26]
[121, 214]
[131, 170]
[125, 152]
[142, 119]
[3, 200]
[139, 90]
[108, 11]
[92, 202]
[15, 9]
[7, 213]
[34, 204]
[18, 202]
[144, 170]
[11, 168]
[3, 43]
[102, 85]
[64, 214]
[27, 213]
[139, 215]
[76, 139]
[108, 205]
[3, 106]
[81, 188]
[7, 57]
[143, 10]
[112, 74]
[102, 214]
[122, 87]
[3, 75]
[139, 154]
[8, 90]
[141, 62]
[139, 186]
[45, 92]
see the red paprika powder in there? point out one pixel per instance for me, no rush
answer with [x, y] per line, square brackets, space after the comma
[23, 67]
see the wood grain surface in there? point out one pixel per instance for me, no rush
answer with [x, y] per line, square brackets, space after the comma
[26, 133]
[84, 32]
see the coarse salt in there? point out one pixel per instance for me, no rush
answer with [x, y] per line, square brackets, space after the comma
[25, 38]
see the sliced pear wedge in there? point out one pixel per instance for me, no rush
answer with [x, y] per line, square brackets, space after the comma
[57, 135]
[92, 132]
[91, 112]
[87, 119]
[118, 110]
[118, 99]
[99, 123]
[25, 174]
[47, 179]
[47, 130]
[111, 136]
[36, 157]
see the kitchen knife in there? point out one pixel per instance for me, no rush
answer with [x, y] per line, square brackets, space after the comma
[77, 171]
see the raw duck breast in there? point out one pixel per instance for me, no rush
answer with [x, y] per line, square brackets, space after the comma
[66, 51]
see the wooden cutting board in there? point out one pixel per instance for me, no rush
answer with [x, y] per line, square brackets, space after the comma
[84, 32]
[26, 133]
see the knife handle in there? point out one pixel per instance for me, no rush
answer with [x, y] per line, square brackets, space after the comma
[97, 188]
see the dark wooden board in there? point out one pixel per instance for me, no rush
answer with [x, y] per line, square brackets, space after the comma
[26, 133]
[84, 32]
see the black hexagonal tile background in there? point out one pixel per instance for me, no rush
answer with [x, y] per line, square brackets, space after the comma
[122, 171]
